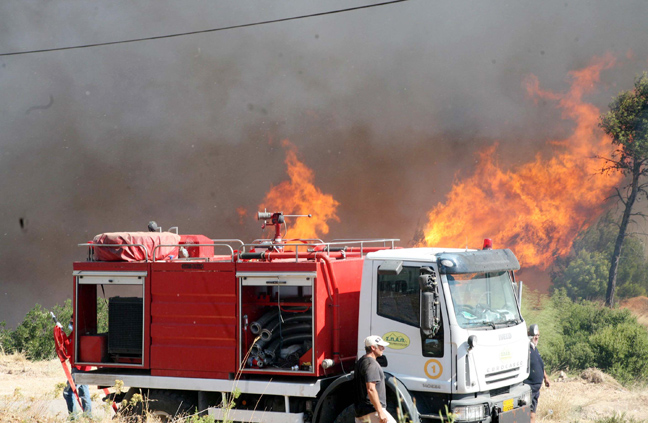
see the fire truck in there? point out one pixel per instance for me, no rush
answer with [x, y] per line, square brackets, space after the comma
[269, 331]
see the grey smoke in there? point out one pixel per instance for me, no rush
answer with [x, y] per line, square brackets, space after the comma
[387, 106]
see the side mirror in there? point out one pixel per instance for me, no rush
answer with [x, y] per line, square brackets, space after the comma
[429, 313]
[382, 360]
[427, 279]
[429, 302]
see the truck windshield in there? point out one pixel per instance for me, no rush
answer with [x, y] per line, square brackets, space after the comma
[483, 300]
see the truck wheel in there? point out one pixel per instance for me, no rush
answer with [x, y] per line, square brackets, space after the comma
[165, 405]
[347, 415]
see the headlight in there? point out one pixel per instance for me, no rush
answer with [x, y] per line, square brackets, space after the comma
[469, 412]
[525, 399]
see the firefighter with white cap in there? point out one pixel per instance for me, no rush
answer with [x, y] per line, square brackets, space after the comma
[537, 373]
[371, 399]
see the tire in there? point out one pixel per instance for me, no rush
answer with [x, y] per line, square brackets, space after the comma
[346, 416]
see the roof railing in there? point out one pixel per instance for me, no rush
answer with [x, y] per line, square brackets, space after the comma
[92, 246]
[231, 254]
[327, 246]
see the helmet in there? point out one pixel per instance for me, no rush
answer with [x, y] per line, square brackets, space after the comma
[533, 330]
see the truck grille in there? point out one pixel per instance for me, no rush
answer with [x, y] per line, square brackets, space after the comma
[502, 375]
[500, 391]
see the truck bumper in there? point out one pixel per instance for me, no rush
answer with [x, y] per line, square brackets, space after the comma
[518, 415]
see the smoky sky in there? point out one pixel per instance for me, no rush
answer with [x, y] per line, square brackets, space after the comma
[388, 106]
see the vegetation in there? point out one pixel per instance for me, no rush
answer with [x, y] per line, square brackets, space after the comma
[618, 418]
[583, 274]
[34, 336]
[627, 124]
[580, 335]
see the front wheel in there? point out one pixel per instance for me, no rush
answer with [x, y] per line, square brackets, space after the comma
[346, 416]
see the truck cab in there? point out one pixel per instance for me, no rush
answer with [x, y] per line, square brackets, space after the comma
[458, 343]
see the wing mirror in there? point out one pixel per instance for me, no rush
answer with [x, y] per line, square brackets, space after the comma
[429, 302]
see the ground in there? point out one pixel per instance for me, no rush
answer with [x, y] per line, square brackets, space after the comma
[31, 391]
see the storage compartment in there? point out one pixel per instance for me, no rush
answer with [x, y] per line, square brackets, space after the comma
[93, 348]
[110, 328]
[125, 325]
[278, 327]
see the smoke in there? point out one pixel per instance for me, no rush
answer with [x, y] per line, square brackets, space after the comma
[387, 106]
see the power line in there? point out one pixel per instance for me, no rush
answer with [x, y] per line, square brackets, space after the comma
[182, 34]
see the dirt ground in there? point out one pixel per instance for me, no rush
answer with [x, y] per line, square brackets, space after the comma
[32, 392]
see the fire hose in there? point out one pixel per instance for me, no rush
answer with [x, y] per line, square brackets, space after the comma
[60, 339]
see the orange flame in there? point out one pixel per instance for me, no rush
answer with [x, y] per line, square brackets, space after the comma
[242, 214]
[538, 208]
[301, 196]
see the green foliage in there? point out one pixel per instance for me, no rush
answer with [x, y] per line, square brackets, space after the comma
[195, 418]
[34, 336]
[102, 315]
[584, 273]
[586, 334]
[585, 276]
[5, 336]
[627, 124]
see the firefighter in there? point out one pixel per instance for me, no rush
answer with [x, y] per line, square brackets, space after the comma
[537, 373]
[371, 402]
[82, 390]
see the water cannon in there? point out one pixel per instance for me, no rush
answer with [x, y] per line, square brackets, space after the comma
[276, 219]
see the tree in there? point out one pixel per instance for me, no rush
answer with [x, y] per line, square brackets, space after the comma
[627, 124]
[583, 273]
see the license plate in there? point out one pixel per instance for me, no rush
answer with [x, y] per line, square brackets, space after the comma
[508, 405]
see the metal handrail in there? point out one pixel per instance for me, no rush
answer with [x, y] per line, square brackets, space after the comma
[328, 245]
[269, 241]
[92, 245]
[228, 240]
[196, 245]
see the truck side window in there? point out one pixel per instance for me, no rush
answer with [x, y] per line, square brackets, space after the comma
[399, 296]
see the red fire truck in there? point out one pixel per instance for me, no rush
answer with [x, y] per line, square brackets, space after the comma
[269, 331]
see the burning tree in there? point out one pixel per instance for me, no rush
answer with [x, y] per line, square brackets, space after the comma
[627, 124]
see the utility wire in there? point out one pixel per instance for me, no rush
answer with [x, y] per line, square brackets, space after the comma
[182, 34]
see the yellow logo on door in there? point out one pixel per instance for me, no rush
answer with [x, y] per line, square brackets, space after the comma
[397, 340]
[433, 369]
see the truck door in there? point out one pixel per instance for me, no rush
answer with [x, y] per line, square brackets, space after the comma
[421, 362]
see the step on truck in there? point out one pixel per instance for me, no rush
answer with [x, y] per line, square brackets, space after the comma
[269, 331]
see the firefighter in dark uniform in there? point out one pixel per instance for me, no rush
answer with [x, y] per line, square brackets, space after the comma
[537, 372]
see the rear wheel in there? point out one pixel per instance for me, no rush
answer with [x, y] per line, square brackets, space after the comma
[164, 404]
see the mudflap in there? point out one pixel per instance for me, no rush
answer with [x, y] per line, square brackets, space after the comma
[518, 415]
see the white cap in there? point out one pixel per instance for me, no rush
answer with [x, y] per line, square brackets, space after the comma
[372, 340]
[533, 330]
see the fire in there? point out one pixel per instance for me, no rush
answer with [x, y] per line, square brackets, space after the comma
[242, 214]
[300, 196]
[538, 208]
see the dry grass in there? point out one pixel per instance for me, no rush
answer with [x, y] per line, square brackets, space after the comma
[639, 307]
[591, 396]
[31, 392]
